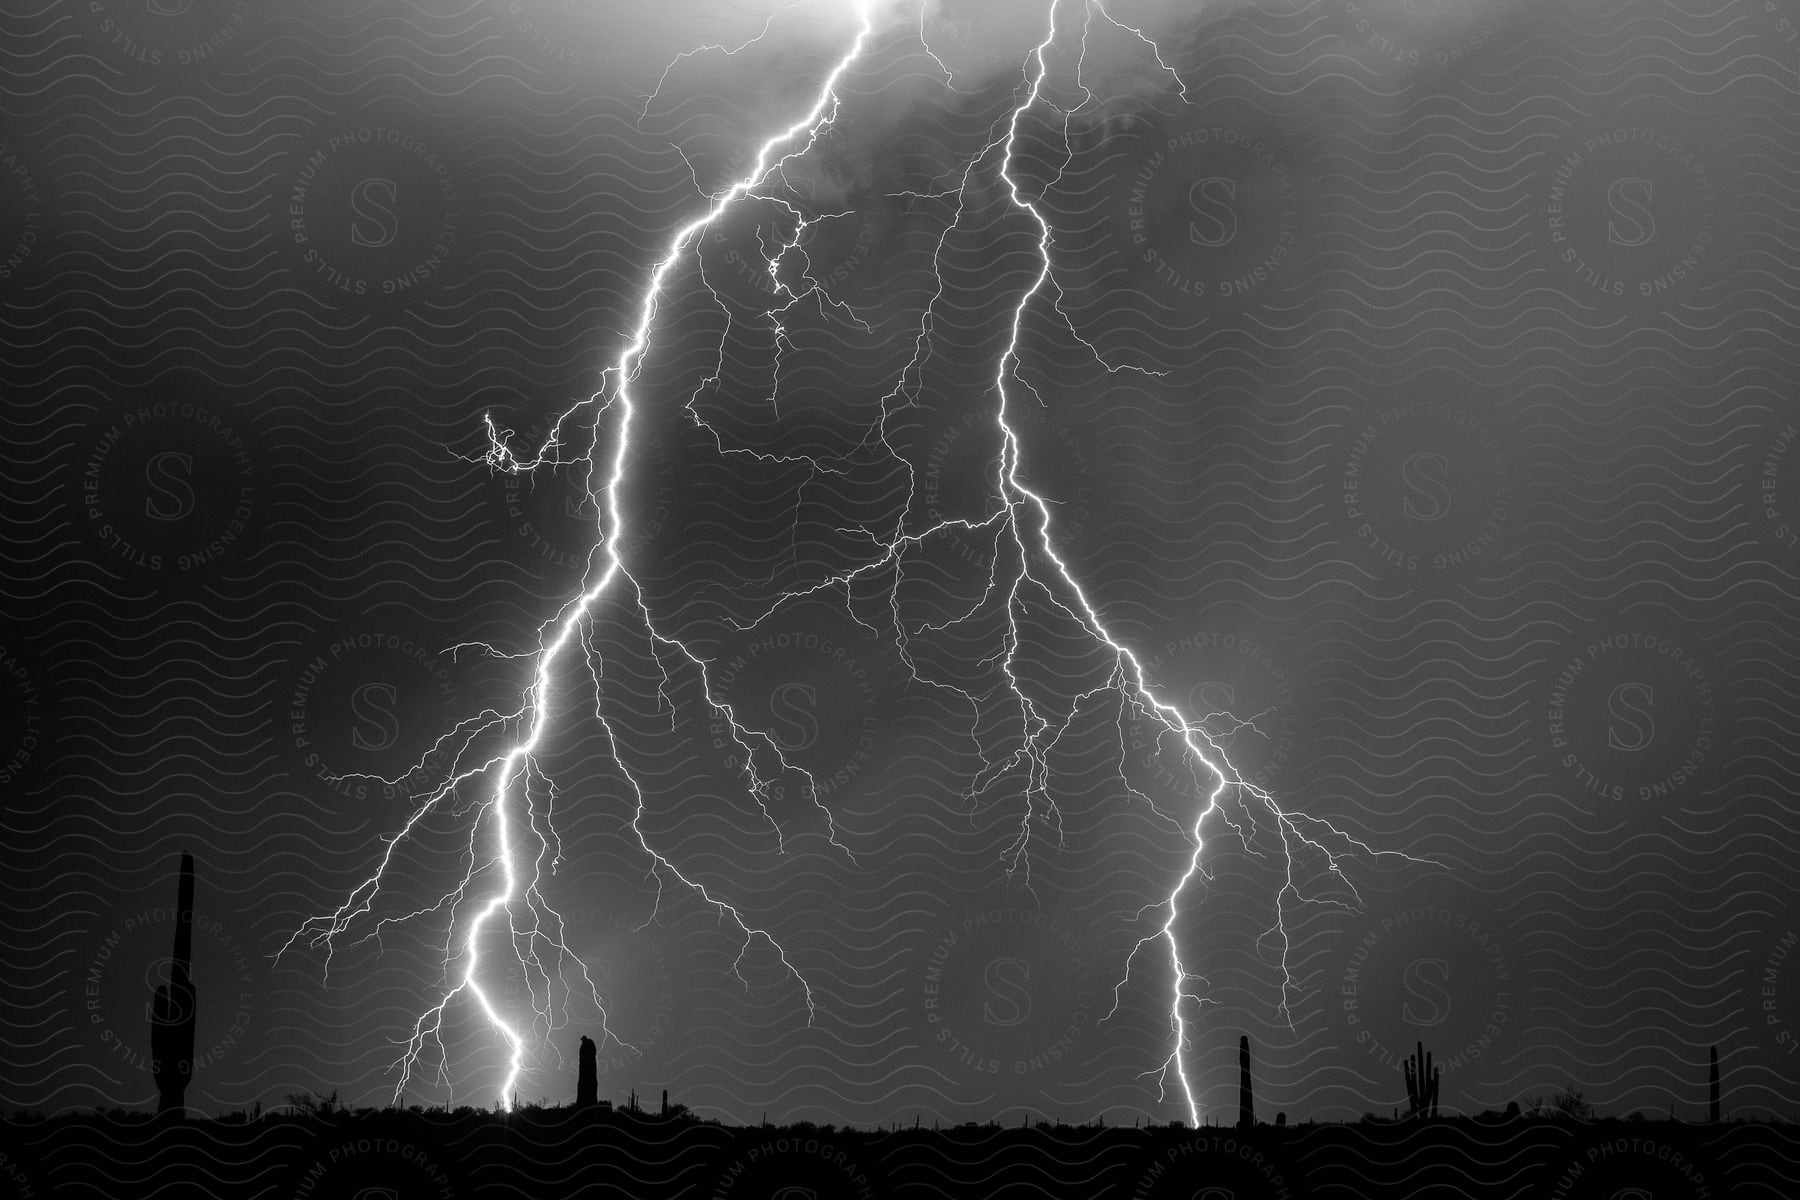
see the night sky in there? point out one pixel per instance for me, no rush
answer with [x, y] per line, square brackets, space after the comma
[1419, 391]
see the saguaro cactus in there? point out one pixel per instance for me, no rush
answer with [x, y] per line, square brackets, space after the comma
[587, 1084]
[1713, 1086]
[172, 1015]
[1421, 1084]
[1246, 1106]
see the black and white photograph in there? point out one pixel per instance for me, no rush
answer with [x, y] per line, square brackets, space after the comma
[965, 599]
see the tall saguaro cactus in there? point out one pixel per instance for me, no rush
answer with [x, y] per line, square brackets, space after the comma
[1713, 1087]
[1422, 1083]
[587, 1084]
[172, 1015]
[1246, 1106]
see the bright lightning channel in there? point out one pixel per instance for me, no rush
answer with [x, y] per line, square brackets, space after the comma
[1022, 517]
[516, 765]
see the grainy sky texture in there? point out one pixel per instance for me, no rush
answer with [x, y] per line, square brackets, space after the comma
[1418, 390]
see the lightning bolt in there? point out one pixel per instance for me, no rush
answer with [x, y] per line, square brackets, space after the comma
[1022, 519]
[537, 931]
[1026, 570]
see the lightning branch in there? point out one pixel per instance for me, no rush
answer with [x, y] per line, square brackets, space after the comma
[513, 820]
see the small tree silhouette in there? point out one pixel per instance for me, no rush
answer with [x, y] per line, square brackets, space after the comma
[311, 1104]
[1571, 1103]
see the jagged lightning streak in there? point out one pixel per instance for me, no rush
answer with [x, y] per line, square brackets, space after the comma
[1022, 519]
[516, 766]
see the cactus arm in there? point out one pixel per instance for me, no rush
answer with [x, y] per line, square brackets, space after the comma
[1422, 1082]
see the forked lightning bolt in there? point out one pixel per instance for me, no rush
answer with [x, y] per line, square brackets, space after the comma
[1020, 524]
[1023, 519]
[538, 930]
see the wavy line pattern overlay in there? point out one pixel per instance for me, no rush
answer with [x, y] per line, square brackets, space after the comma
[1449, 443]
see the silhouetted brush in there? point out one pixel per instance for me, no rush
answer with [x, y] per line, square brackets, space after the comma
[1422, 1084]
[172, 1014]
